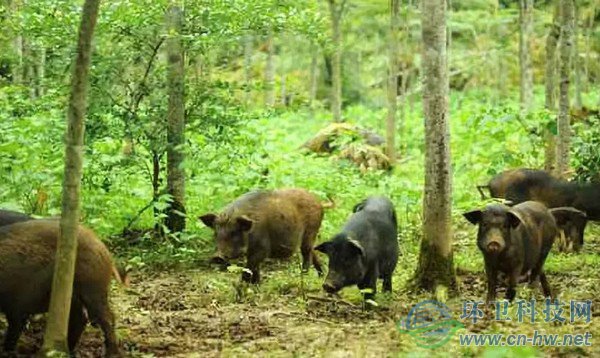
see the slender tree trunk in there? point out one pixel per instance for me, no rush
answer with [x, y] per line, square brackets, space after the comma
[436, 270]
[270, 71]
[392, 89]
[588, 46]
[336, 9]
[314, 76]
[566, 51]
[176, 119]
[41, 70]
[550, 81]
[576, 63]
[17, 43]
[55, 337]
[247, 67]
[525, 49]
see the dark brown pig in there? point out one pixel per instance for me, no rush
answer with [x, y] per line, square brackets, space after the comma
[27, 254]
[514, 241]
[513, 179]
[8, 217]
[267, 224]
[521, 185]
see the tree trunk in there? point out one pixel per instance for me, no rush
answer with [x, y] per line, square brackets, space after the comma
[175, 220]
[436, 270]
[17, 68]
[314, 76]
[566, 51]
[247, 67]
[392, 90]
[588, 46]
[55, 337]
[550, 81]
[270, 71]
[525, 49]
[336, 11]
[41, 70]
[576, 62]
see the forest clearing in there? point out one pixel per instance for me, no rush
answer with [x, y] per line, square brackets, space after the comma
[331, 178]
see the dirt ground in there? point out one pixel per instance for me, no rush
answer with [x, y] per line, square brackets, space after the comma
[205, 312]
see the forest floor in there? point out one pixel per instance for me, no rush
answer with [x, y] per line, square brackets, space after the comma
[204, 312]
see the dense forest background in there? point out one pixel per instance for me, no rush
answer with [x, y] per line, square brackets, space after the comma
[260, 81]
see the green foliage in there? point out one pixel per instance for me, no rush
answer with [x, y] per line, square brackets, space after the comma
[586, 151]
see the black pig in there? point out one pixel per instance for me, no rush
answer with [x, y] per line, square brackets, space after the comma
[8, 217]
[572, 222]
[366, 249]
[514, 241]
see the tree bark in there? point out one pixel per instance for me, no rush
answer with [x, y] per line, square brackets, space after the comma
[566, 51]
[525, 49]
[314, 76]
[550, 89]
[576, 63]
[270, 71]
[17, 69]
[247, 67]
[436, 269]
[175, 122]
[55, 337]
[336, 9]
[588, 46]
[392, 90]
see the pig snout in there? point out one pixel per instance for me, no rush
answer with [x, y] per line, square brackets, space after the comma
[330, 288]
[219, 260]
[493, 247]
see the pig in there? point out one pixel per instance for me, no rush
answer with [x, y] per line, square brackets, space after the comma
[8, 217]
[267, 224]
[366, 248]
[27, 254]
[514, 178]
[514, 241]
[520, 185]
[572, 223]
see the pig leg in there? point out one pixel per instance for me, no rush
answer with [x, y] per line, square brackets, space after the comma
[387, 283]
[492, 281]
[255, 257]
[369, 282]
[16, 323]
[77, 323]
[545, 285]
[97, 306]
[513, 278]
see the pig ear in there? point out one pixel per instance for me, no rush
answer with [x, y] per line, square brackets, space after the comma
[208, 219]
[514, 219]
[358, 207]
[357, 246]
[474, 216]
[244, 223]
[324, 247]
[564, 214]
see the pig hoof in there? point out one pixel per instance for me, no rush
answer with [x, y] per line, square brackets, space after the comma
[510, 294]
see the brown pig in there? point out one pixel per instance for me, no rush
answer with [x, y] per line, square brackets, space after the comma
[267, 224]
[27, 254]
